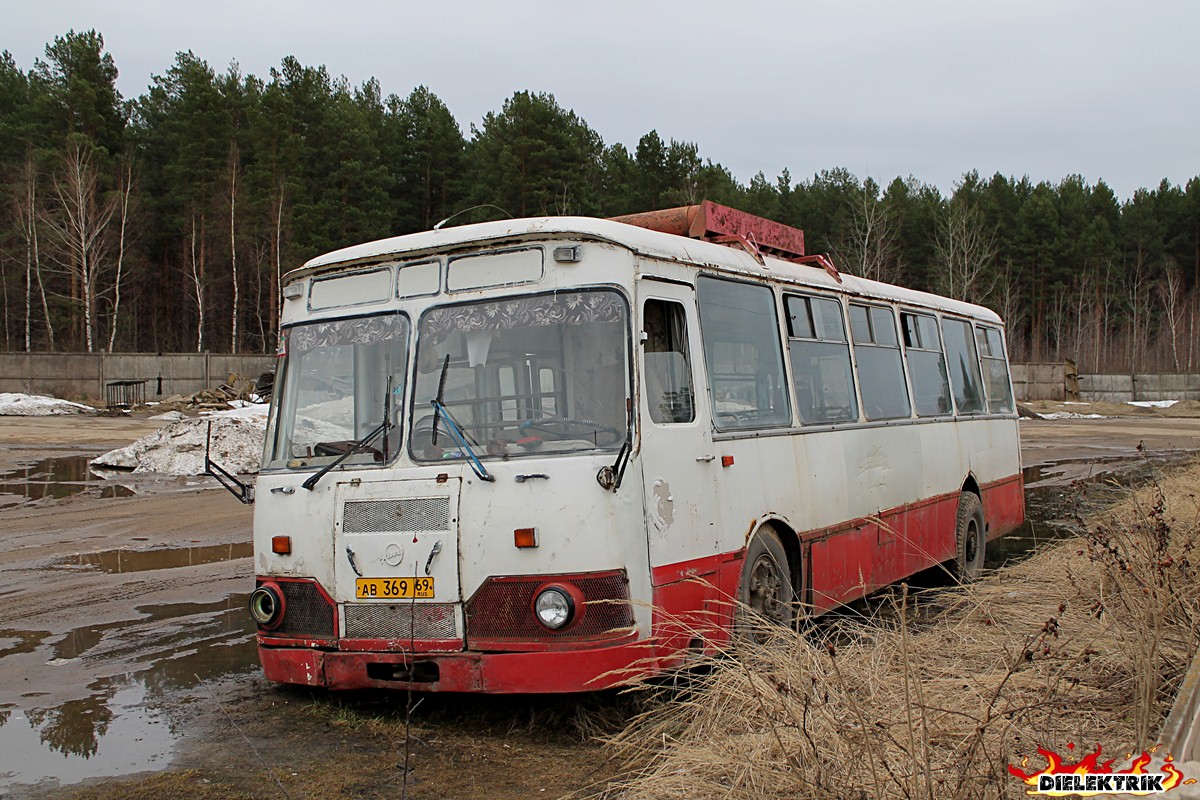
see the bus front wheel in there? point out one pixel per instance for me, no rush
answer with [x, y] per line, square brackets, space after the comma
[970, 538]
[766, 586]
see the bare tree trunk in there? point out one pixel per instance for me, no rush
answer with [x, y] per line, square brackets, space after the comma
[4, 289]
[259, 252]
[27, 219]
[233, 188]
[1107, 299]
[1083, 289]
[37, 265]
[123, 210]
[1137, 289]
[1058, 318]
[277, 288]
[1193, 306]
[198, 290]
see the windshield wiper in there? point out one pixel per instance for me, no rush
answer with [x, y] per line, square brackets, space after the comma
[439, 411]
[358, 446]
[610, 477]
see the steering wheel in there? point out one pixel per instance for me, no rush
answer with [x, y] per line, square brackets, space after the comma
[556, 428]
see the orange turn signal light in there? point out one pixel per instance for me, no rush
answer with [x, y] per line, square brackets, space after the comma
[281, 545]
[525, 537]
[726, 461]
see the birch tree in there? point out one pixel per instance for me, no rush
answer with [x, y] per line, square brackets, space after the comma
[78, 220]
[26, 212]
[868, 249]
[963, 250]
[1171, 294]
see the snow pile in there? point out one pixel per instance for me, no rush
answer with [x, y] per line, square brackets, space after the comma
[14, 404]
[178, 448]
[1152, 403]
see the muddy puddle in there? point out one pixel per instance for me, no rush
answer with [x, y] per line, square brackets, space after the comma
[127, 721]
[56, 478]
[61, 477]
[1057, 492]
[124, 560]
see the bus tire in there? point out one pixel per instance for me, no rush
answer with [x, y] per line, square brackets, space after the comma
[766, 589]
[970, 538]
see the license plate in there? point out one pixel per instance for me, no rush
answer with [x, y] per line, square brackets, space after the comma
[393, 588]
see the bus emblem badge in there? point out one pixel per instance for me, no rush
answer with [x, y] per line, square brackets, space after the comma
[393, 555]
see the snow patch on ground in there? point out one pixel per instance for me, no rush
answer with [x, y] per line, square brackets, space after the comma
[1069, 415]
[178, 448]
[241, 410]
[15, 404]
[1152, 403]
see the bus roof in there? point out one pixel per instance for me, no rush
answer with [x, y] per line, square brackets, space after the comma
[671, 247]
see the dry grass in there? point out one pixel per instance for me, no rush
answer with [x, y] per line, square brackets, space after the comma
[1084, 642]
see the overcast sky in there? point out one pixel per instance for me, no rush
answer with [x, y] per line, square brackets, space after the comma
[1108, 89]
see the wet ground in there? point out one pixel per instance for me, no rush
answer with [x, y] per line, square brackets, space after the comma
[125, 647]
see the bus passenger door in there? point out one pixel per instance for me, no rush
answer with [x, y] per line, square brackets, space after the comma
[677, 463]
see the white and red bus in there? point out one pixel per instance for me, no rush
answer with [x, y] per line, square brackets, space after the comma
[522, 456]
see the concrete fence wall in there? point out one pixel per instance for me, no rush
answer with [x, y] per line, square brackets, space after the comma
[1123, 388]
[1039, 381]
[1056, 381]
[84, 375]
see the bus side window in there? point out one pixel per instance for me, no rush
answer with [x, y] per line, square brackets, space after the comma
[963, 366]
[740, 329]
[820, 356]
[668, 367]
[995, 370]
[926, 365]
[880, 367]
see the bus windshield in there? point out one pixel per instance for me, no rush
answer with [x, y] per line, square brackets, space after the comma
[335, 378]
[525, 375]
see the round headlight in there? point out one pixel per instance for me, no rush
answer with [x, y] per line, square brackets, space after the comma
[266, 606]
[554, 608]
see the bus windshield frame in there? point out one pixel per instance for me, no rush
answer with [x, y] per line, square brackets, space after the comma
[333, 391]
[529, 375]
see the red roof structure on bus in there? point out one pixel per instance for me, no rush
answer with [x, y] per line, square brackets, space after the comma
[717, 223]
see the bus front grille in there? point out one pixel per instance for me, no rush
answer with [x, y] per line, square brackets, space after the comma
[306, 611]
[400, 621]
[408, 515]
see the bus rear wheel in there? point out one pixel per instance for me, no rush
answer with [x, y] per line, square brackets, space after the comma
[765, 592]
[970, 538]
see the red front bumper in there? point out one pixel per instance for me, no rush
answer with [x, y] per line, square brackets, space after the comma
[498, 673]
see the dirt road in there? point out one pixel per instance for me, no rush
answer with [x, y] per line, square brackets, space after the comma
[125, 647]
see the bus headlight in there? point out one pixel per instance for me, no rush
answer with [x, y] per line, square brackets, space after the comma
[266, 605]
[554, 607]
